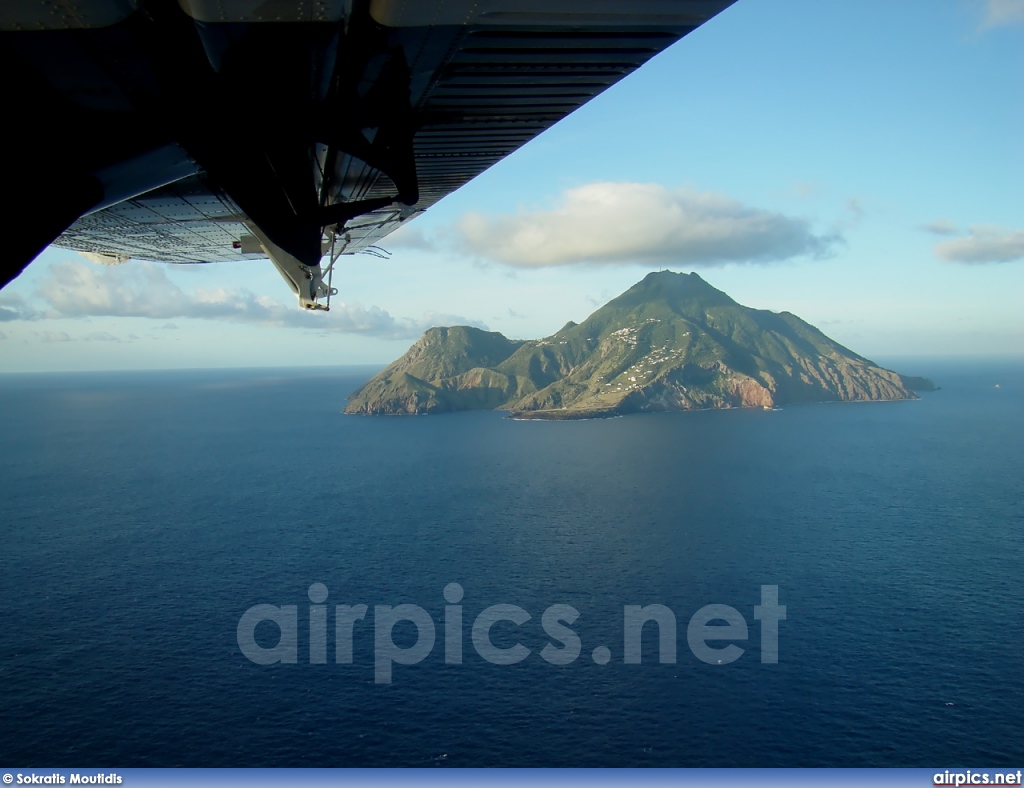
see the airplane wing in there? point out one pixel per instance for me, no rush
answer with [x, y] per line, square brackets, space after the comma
[200, 131]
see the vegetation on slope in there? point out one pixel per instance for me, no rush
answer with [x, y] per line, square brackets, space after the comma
[670, 342]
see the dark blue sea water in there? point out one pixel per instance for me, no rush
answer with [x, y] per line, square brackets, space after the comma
[144, 513]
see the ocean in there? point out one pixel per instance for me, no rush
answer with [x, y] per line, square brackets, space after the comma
[145, 513]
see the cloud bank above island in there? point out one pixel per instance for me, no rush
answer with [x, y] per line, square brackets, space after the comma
[1002, 13]
[623, 223]
[983, 244]
[76, 289]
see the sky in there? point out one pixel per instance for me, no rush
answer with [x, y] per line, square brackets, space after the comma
[857, 162]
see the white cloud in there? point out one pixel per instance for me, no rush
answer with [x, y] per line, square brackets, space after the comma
[853, 205]
[641, 223]
[52, 336]
[14, 307]
[1002, 13]
[985, 244]
[76, 289]
[410, 237]
[941, 227]
[806, 189]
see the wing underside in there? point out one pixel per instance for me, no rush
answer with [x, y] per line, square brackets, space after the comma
[212, 128]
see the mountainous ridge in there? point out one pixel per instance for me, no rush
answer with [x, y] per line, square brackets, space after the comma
[670, 342]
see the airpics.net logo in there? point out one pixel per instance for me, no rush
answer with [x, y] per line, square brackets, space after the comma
[706, 632]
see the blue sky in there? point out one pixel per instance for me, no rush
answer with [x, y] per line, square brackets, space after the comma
[857, 162]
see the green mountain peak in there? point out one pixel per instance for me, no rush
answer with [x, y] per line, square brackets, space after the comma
[680, 292]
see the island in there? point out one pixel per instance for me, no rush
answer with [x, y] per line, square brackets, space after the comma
[670, 342]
